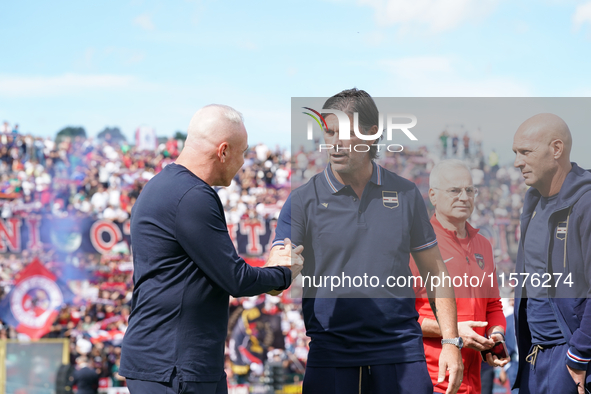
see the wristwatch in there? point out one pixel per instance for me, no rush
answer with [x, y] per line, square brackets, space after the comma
[459, 342]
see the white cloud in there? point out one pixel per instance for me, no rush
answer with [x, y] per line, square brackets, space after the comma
[93, 59]
[248, 45]
[144, 21]
[440, 76]
[135, 57]
[88, 57]
[582, 15]
[68, 84]
[521, 27]
[411, 67]
[374, 38]
[436, 15]
[125, 55]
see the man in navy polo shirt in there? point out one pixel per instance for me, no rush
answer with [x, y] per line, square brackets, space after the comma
[186, 266]
[359, 223]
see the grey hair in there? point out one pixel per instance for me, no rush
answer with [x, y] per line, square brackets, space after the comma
[229, 113]
[445, 166]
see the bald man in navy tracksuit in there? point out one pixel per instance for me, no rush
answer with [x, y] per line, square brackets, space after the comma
[552, 310]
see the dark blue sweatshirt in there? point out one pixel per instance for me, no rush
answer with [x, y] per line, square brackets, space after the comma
[185, 268]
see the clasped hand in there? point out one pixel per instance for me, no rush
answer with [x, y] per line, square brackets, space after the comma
[286, 256]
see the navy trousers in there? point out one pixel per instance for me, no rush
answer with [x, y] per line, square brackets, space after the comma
[403, 378]
[548, 375]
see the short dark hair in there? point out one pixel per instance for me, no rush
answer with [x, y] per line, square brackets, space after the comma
[356, 100]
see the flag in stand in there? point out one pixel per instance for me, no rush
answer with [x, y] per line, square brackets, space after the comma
[33, 303]
[115, 337]
[145, 139]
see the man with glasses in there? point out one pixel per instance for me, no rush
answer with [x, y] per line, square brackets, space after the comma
[466, 254]
[552, 309]
[358, 219]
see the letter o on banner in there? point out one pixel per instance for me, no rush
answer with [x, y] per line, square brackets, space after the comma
[98, 230]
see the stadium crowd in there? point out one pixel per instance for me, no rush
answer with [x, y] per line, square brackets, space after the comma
[101, 178]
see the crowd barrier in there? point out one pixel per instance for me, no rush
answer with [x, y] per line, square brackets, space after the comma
[30, 367]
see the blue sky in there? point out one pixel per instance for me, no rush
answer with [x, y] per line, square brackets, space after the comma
[132, 63]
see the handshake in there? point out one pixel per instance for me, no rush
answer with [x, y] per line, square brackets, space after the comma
[287, 256]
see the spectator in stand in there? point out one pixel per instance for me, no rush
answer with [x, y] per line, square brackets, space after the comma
[493, 162]
[466, 141]
[455, 142]
[5, 128]
[444, 137]
[85, 377]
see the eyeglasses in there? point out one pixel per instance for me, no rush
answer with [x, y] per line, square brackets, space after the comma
[455, 192]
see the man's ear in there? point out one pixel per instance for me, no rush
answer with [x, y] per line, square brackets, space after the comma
[557, 148]
[432, 196]
[223, 152]
[373, 131]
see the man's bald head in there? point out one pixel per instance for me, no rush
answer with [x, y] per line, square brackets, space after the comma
[542, 146]
[215, 145]
[546, 127]
[213, 124]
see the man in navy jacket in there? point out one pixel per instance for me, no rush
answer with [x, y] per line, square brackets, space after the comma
[552, 312]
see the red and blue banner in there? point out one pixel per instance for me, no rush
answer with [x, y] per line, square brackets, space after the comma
[34, 302]
[70, 235]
